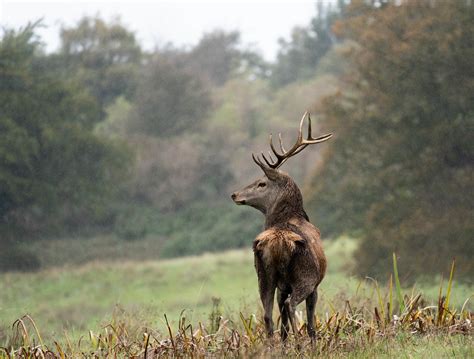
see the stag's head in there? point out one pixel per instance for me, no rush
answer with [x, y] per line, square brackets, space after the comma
[276, 189]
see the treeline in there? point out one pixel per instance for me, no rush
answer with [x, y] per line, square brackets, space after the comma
[103, 136]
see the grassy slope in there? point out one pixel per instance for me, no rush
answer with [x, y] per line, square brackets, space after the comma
[81, 298]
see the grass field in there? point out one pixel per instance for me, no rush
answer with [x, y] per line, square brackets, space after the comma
[75, 299]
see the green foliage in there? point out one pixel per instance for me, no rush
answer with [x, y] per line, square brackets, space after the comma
[117, 119]
[399, 168]
[215, 316]
[131, 224]
[298, 58]
[200, 228]
[398, 287]
[194, 229]
[335, 61]
[219, 56]
[102, 56]
[240, 109]
[53, 170]
[18, 259]
[169, 182]
[216, 56]
[169, 100]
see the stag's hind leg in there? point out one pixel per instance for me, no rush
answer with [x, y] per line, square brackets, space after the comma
[296, 297]
[290, 309]
[310, 307]
[266, 286]
[285, 327]
[267, 296]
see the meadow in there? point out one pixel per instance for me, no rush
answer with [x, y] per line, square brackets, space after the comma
[214, 291]
[117, 234]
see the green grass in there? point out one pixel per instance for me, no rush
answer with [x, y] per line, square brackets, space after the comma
[77, 298]
[86, 297]
[422, 347]
[81, 298]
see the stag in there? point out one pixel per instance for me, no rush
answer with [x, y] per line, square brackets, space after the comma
[288, 254]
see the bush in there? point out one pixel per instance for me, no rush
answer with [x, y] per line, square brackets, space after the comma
[131, 224]
[197, 230]
[15, 258]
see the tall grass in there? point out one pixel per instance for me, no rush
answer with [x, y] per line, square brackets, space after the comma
[343, 331]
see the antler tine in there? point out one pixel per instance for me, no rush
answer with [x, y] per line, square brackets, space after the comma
[282, 157]
[268, 162]
[260, 163]
[278, 155]
[300, 132]
[257, 160]
[300, 143]
[309, 127]
[299, 140]
[271, 157]
[310, 140]
[281, 143]
[319, 139]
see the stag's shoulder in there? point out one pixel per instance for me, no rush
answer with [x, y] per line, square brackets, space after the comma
[306, 228]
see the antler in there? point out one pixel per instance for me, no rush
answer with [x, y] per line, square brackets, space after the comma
[299, 146]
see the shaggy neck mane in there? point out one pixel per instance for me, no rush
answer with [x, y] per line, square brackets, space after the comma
[288, 207]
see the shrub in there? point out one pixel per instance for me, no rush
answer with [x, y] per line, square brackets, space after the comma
[15, 258]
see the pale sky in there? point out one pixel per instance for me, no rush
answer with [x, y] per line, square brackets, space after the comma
[261, 23]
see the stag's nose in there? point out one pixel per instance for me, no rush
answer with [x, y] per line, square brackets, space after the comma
[233, 195]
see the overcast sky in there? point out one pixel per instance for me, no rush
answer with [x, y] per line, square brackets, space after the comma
[261, 23]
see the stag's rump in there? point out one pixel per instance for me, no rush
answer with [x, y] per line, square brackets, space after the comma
[287, 257]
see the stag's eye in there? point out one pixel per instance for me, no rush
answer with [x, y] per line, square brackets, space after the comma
[262, 184]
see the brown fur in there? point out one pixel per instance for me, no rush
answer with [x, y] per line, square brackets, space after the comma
[276, 247]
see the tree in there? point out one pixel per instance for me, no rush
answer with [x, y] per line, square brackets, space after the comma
[53, 170]
[216, 56]
[103, 56]
[169, 99]
[297, 58]
[401, 164]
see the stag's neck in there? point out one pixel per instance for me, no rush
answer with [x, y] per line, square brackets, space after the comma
[283, 213]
